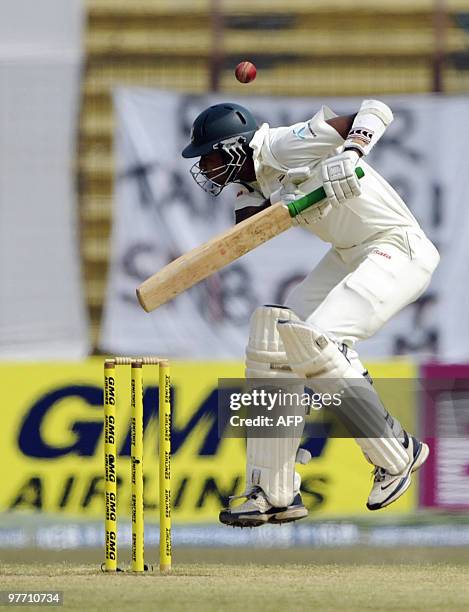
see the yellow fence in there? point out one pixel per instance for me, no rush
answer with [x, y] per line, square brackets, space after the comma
[52, 444]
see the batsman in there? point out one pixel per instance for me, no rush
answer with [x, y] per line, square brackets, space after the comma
[380, 260]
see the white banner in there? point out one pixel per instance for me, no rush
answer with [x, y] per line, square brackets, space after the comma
[42, 305]
[160, 213]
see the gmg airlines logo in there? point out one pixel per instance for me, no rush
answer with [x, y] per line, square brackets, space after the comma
[60, 465]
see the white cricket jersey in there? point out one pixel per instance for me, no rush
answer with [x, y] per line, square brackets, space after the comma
[377, 210]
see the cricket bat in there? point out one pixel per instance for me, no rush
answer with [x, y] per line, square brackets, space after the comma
[211, 256]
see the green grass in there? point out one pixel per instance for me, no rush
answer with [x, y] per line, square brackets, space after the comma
[350, 579]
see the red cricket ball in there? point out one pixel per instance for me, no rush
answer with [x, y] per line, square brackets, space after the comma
[245, 72]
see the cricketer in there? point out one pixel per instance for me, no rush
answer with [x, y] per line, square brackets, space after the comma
[380, 260]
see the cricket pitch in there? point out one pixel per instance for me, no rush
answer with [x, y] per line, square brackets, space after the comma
[211, 580]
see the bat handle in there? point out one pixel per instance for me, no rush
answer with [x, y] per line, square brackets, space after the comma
[298, 206]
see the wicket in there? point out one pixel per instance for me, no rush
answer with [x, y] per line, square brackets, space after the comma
[136, 438]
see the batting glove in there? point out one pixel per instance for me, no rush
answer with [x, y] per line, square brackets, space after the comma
[290, 191]
[339, 179]
[313, 214]
[285, 194]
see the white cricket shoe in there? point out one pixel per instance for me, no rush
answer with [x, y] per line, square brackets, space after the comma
[389, 487]
[257, 511]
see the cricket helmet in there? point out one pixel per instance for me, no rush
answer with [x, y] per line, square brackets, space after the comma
[227, 121]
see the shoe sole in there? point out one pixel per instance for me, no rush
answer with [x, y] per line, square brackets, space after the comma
[417, 463]
[285, 516]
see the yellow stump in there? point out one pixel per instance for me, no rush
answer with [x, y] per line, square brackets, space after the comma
[110, 467]
[136, 461]
[165, 465]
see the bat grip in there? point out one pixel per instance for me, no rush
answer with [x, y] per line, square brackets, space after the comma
[298, 206]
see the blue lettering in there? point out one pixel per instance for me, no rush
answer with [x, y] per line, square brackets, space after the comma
[87, 434]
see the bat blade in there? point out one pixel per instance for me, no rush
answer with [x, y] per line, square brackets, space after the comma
[199, 263]
[196, 265]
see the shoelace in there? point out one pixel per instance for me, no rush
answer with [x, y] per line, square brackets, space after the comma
[379, 474]
[252, 495]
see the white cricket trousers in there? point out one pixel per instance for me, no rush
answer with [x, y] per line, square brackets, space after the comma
[352, 292]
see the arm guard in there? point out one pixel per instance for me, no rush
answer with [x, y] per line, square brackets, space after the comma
[368, 126]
